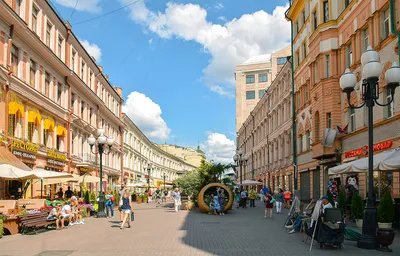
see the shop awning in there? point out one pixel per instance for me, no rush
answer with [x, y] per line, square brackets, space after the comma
[16, 108]
[34, 117]
[74, 178]
[61, 131]
[89, 179]
[46, 174]
[388, 160]
[249, 183]
[48, 124]
[11, 168]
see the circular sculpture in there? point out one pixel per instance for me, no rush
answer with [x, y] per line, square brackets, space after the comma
[202, 204]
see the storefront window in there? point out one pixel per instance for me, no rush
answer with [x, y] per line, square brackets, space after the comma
[383, 181]
[12, 123]
[31, 130]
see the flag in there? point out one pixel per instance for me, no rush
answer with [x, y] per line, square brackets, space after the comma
[344, 130]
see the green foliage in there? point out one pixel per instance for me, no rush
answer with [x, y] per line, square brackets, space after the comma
[84, 212]
[386, 210]
[87, 198]
[357, 209]
[189, 184]
[330, 197]
[229, 181]
[116, 197]
[92, 197]
[1, 228]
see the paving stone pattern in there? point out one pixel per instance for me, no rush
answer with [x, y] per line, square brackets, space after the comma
[160, 231]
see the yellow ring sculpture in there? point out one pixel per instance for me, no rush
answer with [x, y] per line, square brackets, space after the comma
[202, 204]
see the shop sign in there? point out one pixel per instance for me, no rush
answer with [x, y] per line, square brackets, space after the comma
[23, 154]
[55, 162]
[82, 169]
[364, 150]
[56, 155]
[25, 146]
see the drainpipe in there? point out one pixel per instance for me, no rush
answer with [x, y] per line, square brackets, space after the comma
[7, 86]
[392, 22]
[294, 141]
[70, 111]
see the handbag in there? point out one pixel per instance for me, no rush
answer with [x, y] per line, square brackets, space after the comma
[132, 216]
[272, 201]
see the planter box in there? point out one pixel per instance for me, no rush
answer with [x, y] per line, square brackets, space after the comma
[359, 223]
[139, 200]
[12, 225]
[385, 225]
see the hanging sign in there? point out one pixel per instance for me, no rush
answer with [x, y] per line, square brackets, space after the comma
[56, 155]
[55, 162]
[23, 154]
[25, 146]
[364, 150]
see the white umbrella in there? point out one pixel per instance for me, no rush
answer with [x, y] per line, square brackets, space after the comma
[10, 172]
[249, 183]
[391, 162]
[135, 185]
[89, 179]
[46, 175]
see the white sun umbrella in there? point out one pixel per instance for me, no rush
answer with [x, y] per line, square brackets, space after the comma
[49, 175]
[10, 172]
[391, 162]
[135, 185]
[249, 183]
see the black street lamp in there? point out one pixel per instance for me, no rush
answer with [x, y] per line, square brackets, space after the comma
[148, 175]
[372, 69]
[239, 159]
[164, 179]
[101, 142]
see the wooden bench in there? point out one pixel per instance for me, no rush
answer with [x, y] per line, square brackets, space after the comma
[34, 221]
[6, 205]
[31, 204]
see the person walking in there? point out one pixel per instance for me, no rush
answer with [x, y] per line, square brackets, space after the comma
[121, 193]
[177, 199]
[261, 195]
[126, 208]
[252, 197]
[237, 198]
[243, 198]
[158, 195]
[268, 205]
[279, 201]
[287, 196]
[221, 199]
[109, 205]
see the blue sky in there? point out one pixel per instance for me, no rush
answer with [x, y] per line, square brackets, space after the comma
[175, 60]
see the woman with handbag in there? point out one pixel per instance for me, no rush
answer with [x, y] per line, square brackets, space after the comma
[269, 204]
[126, 208]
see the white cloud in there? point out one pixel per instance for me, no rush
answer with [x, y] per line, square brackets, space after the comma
[229, 44]
[146, 114]
[91, 6]
[92, 49]
[219, 6]
[222, 18]
[219, 148]
[150, 40]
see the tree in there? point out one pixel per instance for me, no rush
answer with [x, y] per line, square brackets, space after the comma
[190, 183]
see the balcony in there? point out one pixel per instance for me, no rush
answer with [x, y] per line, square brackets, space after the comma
[320, 152]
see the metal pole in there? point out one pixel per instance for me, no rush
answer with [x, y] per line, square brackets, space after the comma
[240, 170]
[164, 181]
[368, 237]
[393, 25]
[101, 213]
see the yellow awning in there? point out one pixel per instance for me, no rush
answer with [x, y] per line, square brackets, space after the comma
[34, 117]
[15, 108]
[48, 124]
[61, 131]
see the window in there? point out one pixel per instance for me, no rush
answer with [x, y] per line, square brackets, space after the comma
[48, 33]
[385, 24]
[297, 58]
[306, 94]
[349, 57]
[18, 6]
[352, 120]
[346, 3]
[59, 92]
[327, 66]
[250, 79]
[301, 144]
[281, 60]
[308, 140]
[59, 141]
[32, 73]
[31, 129]
[90, 115]
[297, 27]
[47, 84]
[304, 50]
[262, 78]
[329, 120]
[365, 39]
[14, 59]
[390, 107]
[35, 13]
[315, 20]
[315, 72]
[261, 93]
[90, 79]
[326, 10]
[303, 15]
[250, 95]
[82, 109]
[59, 46]
[12, 124]
[83, 70]
[73, 59]
[73, 101]
[46, 134]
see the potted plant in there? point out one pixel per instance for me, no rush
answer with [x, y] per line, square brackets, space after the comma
[386, 213]
[1, 226]
[357, 210]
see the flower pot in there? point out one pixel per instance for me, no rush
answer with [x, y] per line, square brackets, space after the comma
[384, 238]
[359, 223]
[384, 225]
[188, 206]
[139, 200]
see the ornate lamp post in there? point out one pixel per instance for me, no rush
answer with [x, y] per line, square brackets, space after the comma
[101, 140]
[239, 159]
[372, 69]
[164, 176]
[148, 175]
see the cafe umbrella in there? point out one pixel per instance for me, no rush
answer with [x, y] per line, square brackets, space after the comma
[43, 174]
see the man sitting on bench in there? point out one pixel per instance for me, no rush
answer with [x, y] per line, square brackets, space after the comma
[297, 223]
[66, 212]
[56, 215]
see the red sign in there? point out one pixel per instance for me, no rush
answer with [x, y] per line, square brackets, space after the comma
[364, 150]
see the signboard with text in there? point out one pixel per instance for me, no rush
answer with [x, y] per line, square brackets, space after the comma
[23, 154]
[25, 146]
[363, 151]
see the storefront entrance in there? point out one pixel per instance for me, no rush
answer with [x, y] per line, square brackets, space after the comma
[305, 186]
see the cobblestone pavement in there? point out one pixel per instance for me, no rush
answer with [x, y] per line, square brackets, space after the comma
[161, 231]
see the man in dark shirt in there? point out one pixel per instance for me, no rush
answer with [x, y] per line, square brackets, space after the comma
[68, 193]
